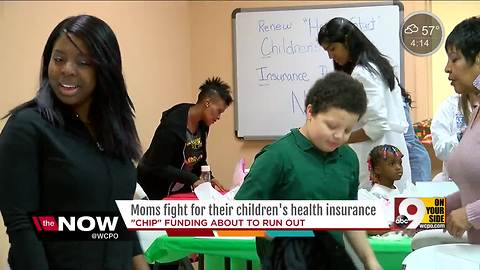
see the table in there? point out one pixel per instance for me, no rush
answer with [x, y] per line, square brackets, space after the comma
[440, 257]
[240, 252]
[390, 253]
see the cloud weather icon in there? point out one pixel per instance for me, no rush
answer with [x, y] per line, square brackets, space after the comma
[412, 28]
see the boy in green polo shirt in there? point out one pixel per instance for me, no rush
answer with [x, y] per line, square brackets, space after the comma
[314, 163]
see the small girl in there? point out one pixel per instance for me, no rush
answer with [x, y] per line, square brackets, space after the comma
[385, 166]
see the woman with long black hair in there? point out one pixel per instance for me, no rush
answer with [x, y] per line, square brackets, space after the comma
[384, 122]
[71, 149]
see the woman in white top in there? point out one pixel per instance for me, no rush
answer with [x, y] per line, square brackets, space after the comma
[384, 122]
[448, 125]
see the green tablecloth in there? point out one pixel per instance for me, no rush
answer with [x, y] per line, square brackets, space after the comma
[390, 253]
[168, 249]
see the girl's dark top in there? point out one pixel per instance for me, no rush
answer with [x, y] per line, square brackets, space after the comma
[163, 164]
[51, 169]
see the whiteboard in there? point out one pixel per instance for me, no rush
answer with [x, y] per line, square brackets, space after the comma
[277, 59]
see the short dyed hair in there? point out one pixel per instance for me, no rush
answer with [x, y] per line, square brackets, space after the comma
[215, 87]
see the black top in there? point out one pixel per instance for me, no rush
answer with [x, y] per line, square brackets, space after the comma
[50, 169]
[161, 166]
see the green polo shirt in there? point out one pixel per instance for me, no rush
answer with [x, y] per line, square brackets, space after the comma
[292, 168]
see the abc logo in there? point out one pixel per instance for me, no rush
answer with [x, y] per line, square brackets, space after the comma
[402, 221]
[409, 212]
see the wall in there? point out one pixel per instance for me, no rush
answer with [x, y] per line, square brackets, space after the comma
[418, 71]
[450, 13]
[168, 49]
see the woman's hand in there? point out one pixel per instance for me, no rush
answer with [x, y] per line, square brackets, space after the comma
[358, 136]
[216, 184]
[197, 183]
[457, 222]
[139, 263]
[372, 264]
[361, 246]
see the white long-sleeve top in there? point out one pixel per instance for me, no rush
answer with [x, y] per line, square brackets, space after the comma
[447, 128]
[384, 123]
